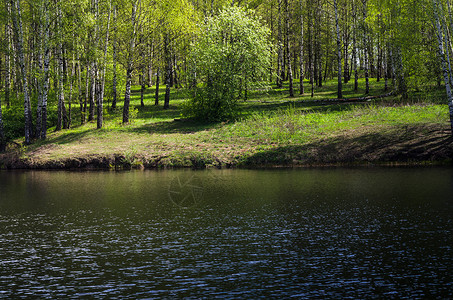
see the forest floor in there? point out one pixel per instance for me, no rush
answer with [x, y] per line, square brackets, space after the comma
[273, 131]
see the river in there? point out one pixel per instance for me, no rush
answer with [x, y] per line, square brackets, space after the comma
[304, 233]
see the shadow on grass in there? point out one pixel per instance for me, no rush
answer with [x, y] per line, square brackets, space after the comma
[67, 137]
[405, 144]
[169, 127]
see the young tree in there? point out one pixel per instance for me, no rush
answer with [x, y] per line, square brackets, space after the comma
[232, 51]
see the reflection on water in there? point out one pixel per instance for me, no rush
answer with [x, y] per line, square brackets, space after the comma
[358, 233]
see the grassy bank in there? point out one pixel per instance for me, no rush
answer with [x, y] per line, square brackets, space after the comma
[274, 130]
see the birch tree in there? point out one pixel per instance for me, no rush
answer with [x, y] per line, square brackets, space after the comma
[130, 59]
[43, 71]
[19, 41]
[2, 132]
[441, 41]
[301, 50]
[288, 49]
[337, 27]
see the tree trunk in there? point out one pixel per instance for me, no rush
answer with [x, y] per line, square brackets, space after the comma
[100, 104]
[447, 75]
[45, 85]
[61, 114]
[60, 90]
[386, 70]
[127, 94]
[114, 80]
[87, 91]
[365, 48]
[301, 61]
[379, 50]
[280, 47]
[7, 58]
[142, 89]
[79, 83]
[2, 133]
[340, 86]
[92, 97]
[169, 73]
[18, 33]
[156, 97]
[401, 80]
[288, 52]
[311, 52]
[354, 46]
[150, 64]
[42, 31]
[346, 35]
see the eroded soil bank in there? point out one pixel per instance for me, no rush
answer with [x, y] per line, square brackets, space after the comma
[403, 145]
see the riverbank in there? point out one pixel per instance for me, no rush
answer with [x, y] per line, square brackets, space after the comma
[294, 135]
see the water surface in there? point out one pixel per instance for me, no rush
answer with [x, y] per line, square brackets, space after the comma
[311, 233]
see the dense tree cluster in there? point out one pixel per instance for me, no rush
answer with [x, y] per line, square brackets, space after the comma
[59, 54]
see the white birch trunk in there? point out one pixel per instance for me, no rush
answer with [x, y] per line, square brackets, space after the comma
[288, 51]
[301, 53]
[127, 94]
[7, 57]
[354, 46]
[340, 82]
[280, 46]
[100, 99]
[446, 75]
[114, 81]
[365, 49]
[17, 25]
[2, 132]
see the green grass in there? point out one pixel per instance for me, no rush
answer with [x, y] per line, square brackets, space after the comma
[272, 129]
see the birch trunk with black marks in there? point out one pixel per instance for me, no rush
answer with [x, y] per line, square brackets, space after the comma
[288, 51]
[127, 94]
[100, 98]
[18, 34]
[60, 76]
[168, 72]
[44, 65]
[114, 46]
[301, 53]
[2, 132]
[311, 53]
[79, 83]
[7, 56]
[365, 47]
[354, 46]
[445, 71]
[61, 115]
[346, 36]
[156, 96]
[280, 47]
[340, 82]
[87, 92]
[142, 88]
[150, 63]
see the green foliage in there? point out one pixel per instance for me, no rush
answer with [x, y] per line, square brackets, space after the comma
[231, 53]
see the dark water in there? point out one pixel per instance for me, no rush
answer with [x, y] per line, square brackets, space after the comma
[317, 233]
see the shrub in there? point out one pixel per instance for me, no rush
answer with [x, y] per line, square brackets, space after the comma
[232, 52]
